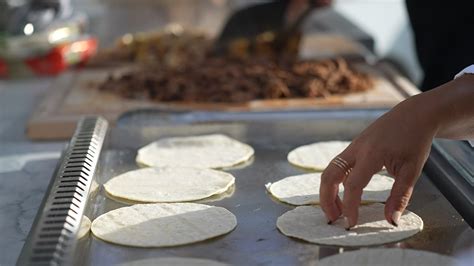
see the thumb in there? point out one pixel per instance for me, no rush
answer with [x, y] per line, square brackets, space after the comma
[401, 193]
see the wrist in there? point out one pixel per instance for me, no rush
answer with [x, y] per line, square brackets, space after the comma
[426, 113]
[449, 104]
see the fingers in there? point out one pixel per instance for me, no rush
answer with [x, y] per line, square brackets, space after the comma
[328, 190]
[354, 184]
[339, 203]
[330, 202]
[401, 193]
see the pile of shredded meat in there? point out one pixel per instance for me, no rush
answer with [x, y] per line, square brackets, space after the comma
[218, 79]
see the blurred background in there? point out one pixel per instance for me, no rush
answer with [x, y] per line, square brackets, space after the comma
[160, 60]
[383, 21]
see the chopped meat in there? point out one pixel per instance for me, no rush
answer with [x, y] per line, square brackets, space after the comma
[217, 79]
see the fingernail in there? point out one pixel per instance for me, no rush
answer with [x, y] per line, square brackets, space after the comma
[346, 221]
[396, 217]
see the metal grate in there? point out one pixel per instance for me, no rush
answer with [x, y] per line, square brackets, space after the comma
[53, 236]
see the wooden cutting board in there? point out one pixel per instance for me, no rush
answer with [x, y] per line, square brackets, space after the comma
[73, 95]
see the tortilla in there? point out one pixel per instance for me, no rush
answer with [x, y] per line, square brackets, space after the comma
[163, 224]
[387, 256]
[304, 189]
[309, 223]
[168, 184]
[217, 197]
[173, 261]
[207, 151]
[318, 155]
[84, 227]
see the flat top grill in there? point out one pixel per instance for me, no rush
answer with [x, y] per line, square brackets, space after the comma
[256, 240]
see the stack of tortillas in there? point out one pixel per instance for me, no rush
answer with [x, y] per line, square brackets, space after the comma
[181, 172]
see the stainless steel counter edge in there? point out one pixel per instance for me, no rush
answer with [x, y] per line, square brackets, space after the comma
[53, 236]
[451, 181]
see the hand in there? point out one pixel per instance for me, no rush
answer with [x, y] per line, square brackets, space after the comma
[400, 140]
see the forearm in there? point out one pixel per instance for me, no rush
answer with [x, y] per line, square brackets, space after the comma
[450, 108]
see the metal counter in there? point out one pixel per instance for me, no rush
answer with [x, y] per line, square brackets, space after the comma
[256, 240]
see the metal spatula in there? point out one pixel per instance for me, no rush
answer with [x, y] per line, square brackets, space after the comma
[277, 37]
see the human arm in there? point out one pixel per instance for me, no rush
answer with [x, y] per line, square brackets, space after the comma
[400, 140]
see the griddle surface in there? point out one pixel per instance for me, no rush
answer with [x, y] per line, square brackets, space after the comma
[256, 240]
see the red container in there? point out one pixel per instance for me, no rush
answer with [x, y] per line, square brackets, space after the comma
[55, 61]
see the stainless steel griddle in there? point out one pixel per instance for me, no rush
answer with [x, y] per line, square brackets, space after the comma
[256, 240]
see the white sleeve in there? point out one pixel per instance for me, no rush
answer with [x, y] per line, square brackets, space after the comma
[467, 70]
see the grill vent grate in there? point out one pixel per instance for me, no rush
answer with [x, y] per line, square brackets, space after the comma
[53, 236]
